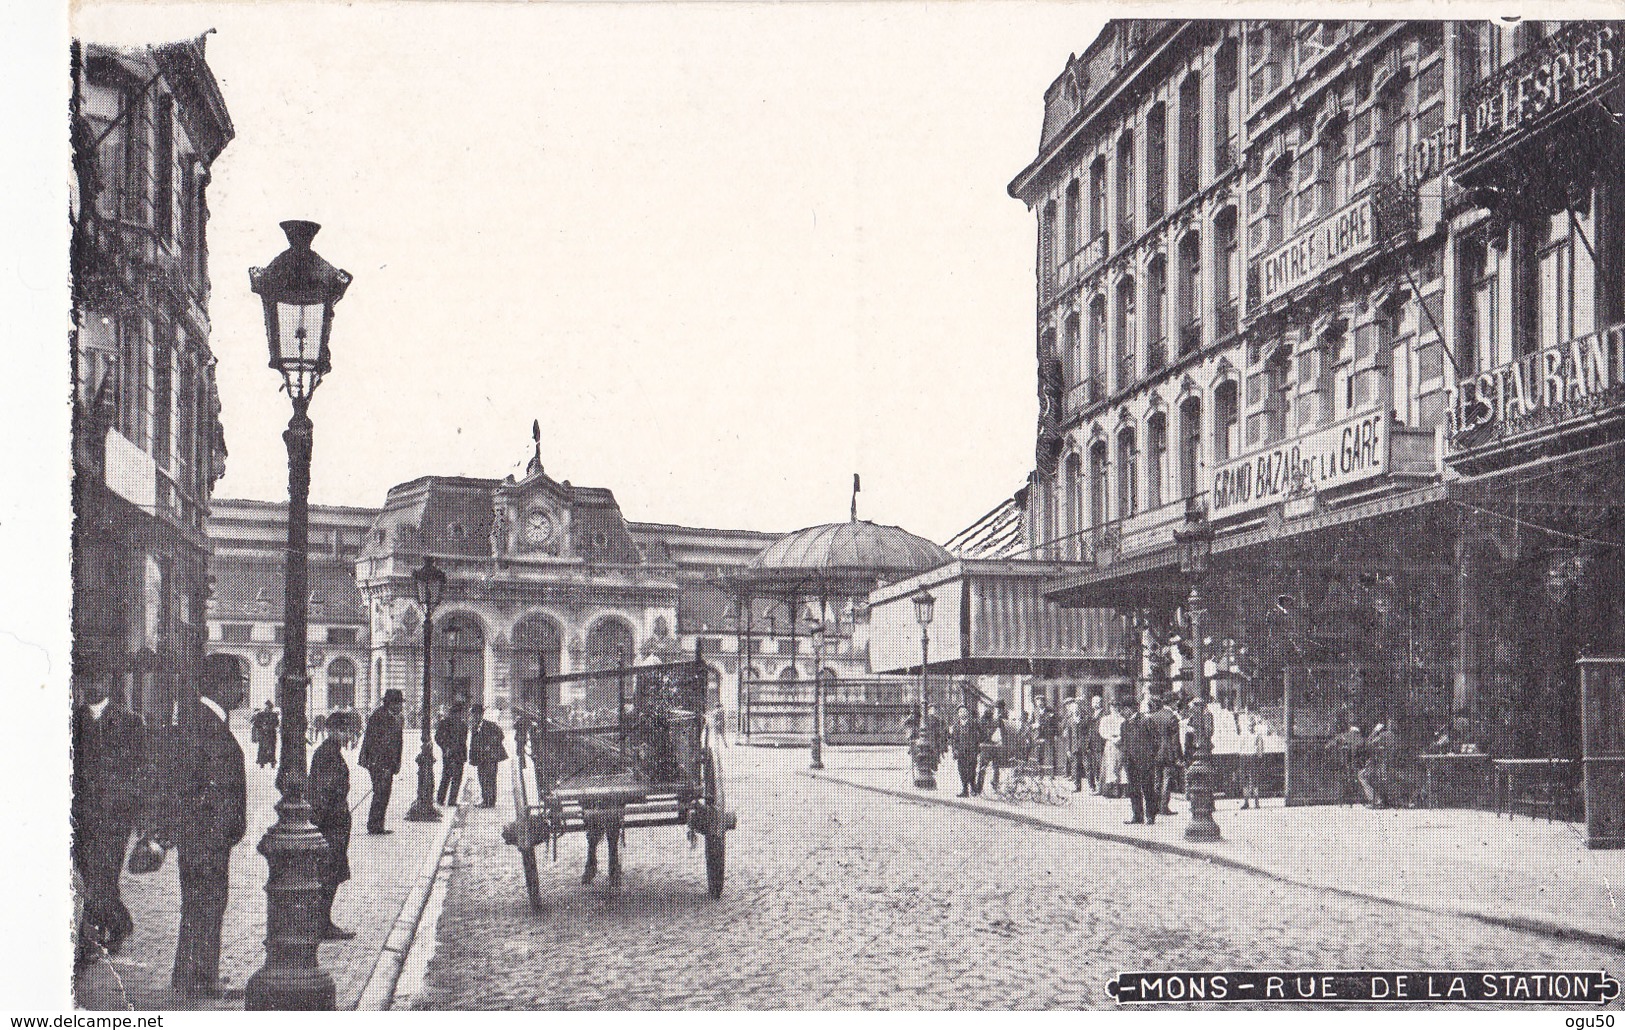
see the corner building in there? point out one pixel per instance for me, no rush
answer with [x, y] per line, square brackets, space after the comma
[1286, 274]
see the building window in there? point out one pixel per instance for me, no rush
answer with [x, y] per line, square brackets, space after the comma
[1099, 483]
[1127, 333]
[343, 635]
[1226, 273]
[1074, 503]
[1125, 188]
[1097, 349]
[1127, 468]
[163, 159]
[1190, 446]
[1097, 197]
[1156, 459]
[340, 683]
[1478, 319]
[1156, 314]
[1047, 242]
[787, 647]
[1226, 441]
[163, 390]
[1156, 162]
[1278, 400]
[1190, 136]
[1075, 371]
[1190, 293]
[1074, 219]
[1227, 110]
[1564, 289]
[237, 632]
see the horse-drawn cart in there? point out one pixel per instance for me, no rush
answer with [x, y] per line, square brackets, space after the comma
[615, 749]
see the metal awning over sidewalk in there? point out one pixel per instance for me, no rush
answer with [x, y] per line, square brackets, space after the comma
[1153, 579]
[990, 617]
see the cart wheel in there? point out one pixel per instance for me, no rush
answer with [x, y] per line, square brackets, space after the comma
[716, 849]
[533, 877]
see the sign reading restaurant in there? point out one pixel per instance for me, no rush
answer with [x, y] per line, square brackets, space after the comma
[1328, 243]
[1346, 452]
[1542, 389]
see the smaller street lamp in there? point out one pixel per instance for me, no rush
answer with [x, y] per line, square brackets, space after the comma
[1193, 544]
[817, 760]
[429, 580]
[925, 756]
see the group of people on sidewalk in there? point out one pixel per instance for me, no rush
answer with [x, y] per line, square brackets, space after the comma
[184, 788]
[1123, 749]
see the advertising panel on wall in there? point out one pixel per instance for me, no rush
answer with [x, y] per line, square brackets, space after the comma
[1347, 452]
[1543, 390]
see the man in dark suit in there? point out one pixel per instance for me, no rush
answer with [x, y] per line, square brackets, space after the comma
[328, 791]
[381, 754]
[109, 756]
[451, 734]
[1170, 751]
[486, 751]
[965, 739]
[1141, 744]
[209, 815]
[266, 725]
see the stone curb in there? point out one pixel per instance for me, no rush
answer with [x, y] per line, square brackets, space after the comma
[379, 992]
[1528, 924]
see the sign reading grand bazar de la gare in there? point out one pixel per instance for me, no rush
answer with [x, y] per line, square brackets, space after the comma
[1345, 452]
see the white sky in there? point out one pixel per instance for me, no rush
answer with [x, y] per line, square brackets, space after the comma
[728, 254]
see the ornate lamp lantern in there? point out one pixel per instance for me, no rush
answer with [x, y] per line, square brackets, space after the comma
[924, 748]
[1193, 543]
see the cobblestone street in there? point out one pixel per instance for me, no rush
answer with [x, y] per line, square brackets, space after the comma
[839, 898]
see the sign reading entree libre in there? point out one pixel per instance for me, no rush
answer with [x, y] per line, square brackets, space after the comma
[1327, 244]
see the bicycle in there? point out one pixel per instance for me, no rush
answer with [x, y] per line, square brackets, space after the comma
[1025, 781]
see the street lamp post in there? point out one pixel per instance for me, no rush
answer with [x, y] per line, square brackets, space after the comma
[818, 629]
[429, 580]
[298, 290]
[1194, 544]
[925, 758]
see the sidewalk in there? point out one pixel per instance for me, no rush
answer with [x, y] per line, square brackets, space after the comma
[1516, 871]
[384, 871]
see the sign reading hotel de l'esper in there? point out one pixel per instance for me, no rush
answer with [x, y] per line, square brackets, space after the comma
[1575, 63]
[1346, 452]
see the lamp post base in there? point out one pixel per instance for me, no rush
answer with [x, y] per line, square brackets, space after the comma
[817, 759]
[291, 979]
[423, 809]
[1199, 791]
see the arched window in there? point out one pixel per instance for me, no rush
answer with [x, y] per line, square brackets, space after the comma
[536, 651]
[1074, 503]
[1226, 439]
[1049, 241]
[1156, 161]
[1190, 446]
[340, 683]
[1226, 272]
[789, 673]
[610, 645]
[1099, 483]
[1072, 355]
[1190, 136]
[1278, 399]
[1074, 220]
[1097, 197]
[1051, 499]
[1156, 458]
[1126, 192]
[1156, 314]
[1127, 335]
[459, 658]
[1127, 467]
[1097, 349]
[1190, 293]
[1226, 109]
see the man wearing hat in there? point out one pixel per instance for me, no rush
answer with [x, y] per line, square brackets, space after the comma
[328, 792]
[108, 757]
[485, 752]
[381, 754]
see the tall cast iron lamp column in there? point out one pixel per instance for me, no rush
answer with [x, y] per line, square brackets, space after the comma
[429, 580]
[925, 754]
[818, 629]
[298, 290]
[1193, 542]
